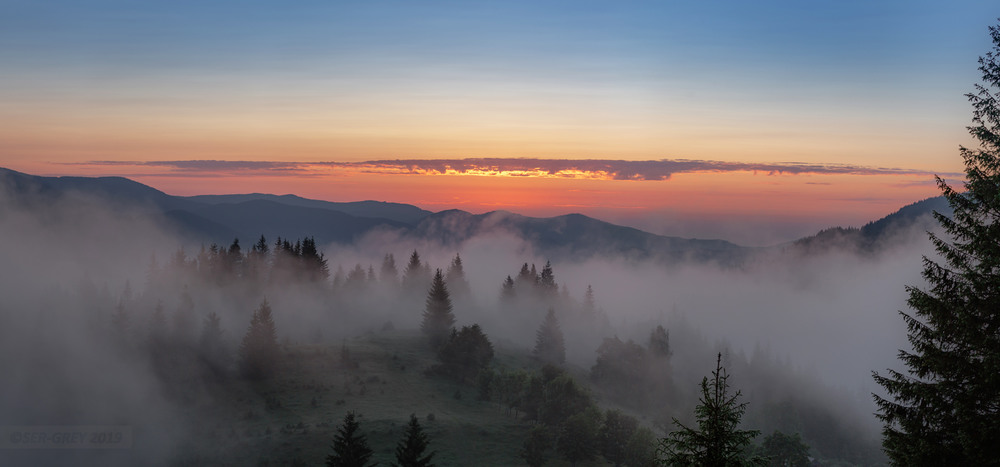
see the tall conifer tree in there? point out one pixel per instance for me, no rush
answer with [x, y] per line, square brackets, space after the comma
[550, 345]
[350, 448]
[410, 452]
[456, 278]
[945, 409]
[438, 318]
[259, 349]
[717, 442]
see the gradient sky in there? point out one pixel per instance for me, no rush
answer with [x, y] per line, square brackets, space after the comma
[107, 87]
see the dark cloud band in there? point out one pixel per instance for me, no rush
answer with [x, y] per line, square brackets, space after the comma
[562, 168]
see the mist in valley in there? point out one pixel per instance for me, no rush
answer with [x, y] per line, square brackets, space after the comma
[88, 293]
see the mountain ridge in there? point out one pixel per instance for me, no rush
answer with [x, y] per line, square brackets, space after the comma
[221, 218]
[400, 212]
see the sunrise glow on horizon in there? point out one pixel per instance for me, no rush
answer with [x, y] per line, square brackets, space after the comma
[651, 114]
[706, 199]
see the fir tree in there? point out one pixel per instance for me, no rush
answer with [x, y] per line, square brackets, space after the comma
[415, 276]
[438, 318]
[350, 448]
[259, 349]
[233, 260]
[550, 345]
[589, 306]
[507, 291]
[456, 278]
[357, 279]
[547, 281]
[945, 410]
[716, 442]
[525, 278]
[261, 247]
[314, 264]
[257, 259]
[410, 450]
[466, 353]
[388, 274]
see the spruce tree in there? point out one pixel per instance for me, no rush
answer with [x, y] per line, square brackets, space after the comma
[257, 261]
[350, 448]
[945, 408]
[589, 306]
[438, 318]
[716, 442]
[455, 278]
[467, 352]
[232, 260]
[525, 279]
[261, 247]
[547, 281]
[507, 291]
[550, 345]
[259, 349]
[410, 450]
[314, 264]
[416, 275]
[388, 274]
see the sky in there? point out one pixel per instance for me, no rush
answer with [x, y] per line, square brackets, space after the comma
[755, 122]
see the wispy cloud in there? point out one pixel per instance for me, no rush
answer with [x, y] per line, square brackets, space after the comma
[602, 169]
[218, 167]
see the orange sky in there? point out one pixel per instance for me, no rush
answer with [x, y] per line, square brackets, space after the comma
[739, 88]
[743, 206]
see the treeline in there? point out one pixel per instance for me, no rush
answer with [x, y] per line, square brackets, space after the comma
[562, 414]
[566, 420]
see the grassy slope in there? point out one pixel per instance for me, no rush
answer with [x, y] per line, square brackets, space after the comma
[387, 385]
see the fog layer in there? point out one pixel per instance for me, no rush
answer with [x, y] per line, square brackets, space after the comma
[71, 268]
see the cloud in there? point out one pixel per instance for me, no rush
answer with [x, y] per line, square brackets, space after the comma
[601, 169]
[209, 167]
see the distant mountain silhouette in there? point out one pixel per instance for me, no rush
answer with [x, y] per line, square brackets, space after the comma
[221, 218]
[272, 219]
[405, 213]
[113, 190]
[576, 236]
[878, 234]
[192, 220]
